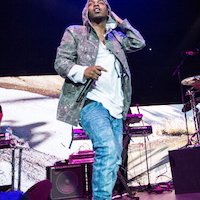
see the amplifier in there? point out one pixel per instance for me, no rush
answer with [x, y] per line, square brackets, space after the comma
[70, 181]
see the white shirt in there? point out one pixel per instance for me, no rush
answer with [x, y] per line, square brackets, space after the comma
[107, 89]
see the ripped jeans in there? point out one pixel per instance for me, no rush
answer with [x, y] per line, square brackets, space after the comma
[105, 133]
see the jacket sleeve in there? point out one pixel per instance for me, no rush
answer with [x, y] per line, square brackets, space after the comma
[66, 58]
[130, 38]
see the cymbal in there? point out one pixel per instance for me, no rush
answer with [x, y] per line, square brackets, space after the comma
[193, 81]
[188, 106]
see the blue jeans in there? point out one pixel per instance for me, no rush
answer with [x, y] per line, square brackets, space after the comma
[105, 133]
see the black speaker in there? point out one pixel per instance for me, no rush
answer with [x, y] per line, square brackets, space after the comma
[68, 181]
[185, 168]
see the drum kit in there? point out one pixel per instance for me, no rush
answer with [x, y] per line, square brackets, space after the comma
[194, 84]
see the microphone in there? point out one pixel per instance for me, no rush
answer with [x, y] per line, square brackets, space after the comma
[84, 90]
[191, 53]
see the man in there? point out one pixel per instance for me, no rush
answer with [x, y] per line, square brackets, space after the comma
[97, 88]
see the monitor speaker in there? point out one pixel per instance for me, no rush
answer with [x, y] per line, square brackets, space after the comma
[68, 181]
[185, 168]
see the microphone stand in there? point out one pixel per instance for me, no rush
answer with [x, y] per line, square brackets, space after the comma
[178, 72]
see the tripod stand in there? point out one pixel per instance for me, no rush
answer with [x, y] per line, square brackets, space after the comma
[194, 83]
[195, 113]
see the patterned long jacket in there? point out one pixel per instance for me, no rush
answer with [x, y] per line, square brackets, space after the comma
[79, 45]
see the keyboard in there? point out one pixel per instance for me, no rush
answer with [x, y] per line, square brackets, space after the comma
[139, 131]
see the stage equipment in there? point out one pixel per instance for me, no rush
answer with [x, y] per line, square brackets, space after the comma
[78, 134]
[185, 169]
[12, 144]
[69, 181]
[191, 52]
[194, 82]
[4, 143]
[4, 188]
[133, 118]
[81, 162]
[129, 132]
[187, 107]
[139, 131]
[177, 72]
[86, 156]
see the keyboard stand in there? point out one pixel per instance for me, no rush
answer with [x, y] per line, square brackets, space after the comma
[13, 149]
[123, 178]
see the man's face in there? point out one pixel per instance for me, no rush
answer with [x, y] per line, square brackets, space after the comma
[98, 10]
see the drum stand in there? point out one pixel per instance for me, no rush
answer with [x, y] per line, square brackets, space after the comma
[195, 116]
[178, 72]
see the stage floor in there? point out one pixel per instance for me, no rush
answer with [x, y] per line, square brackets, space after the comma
[169, 195]
[150, 196]
[163, 196]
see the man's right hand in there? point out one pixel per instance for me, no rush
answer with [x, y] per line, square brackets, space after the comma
[93, 72]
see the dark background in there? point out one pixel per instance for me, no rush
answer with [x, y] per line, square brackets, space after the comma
[31, 30]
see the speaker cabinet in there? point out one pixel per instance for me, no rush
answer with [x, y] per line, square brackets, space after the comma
[185, 168]
[68, 181]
